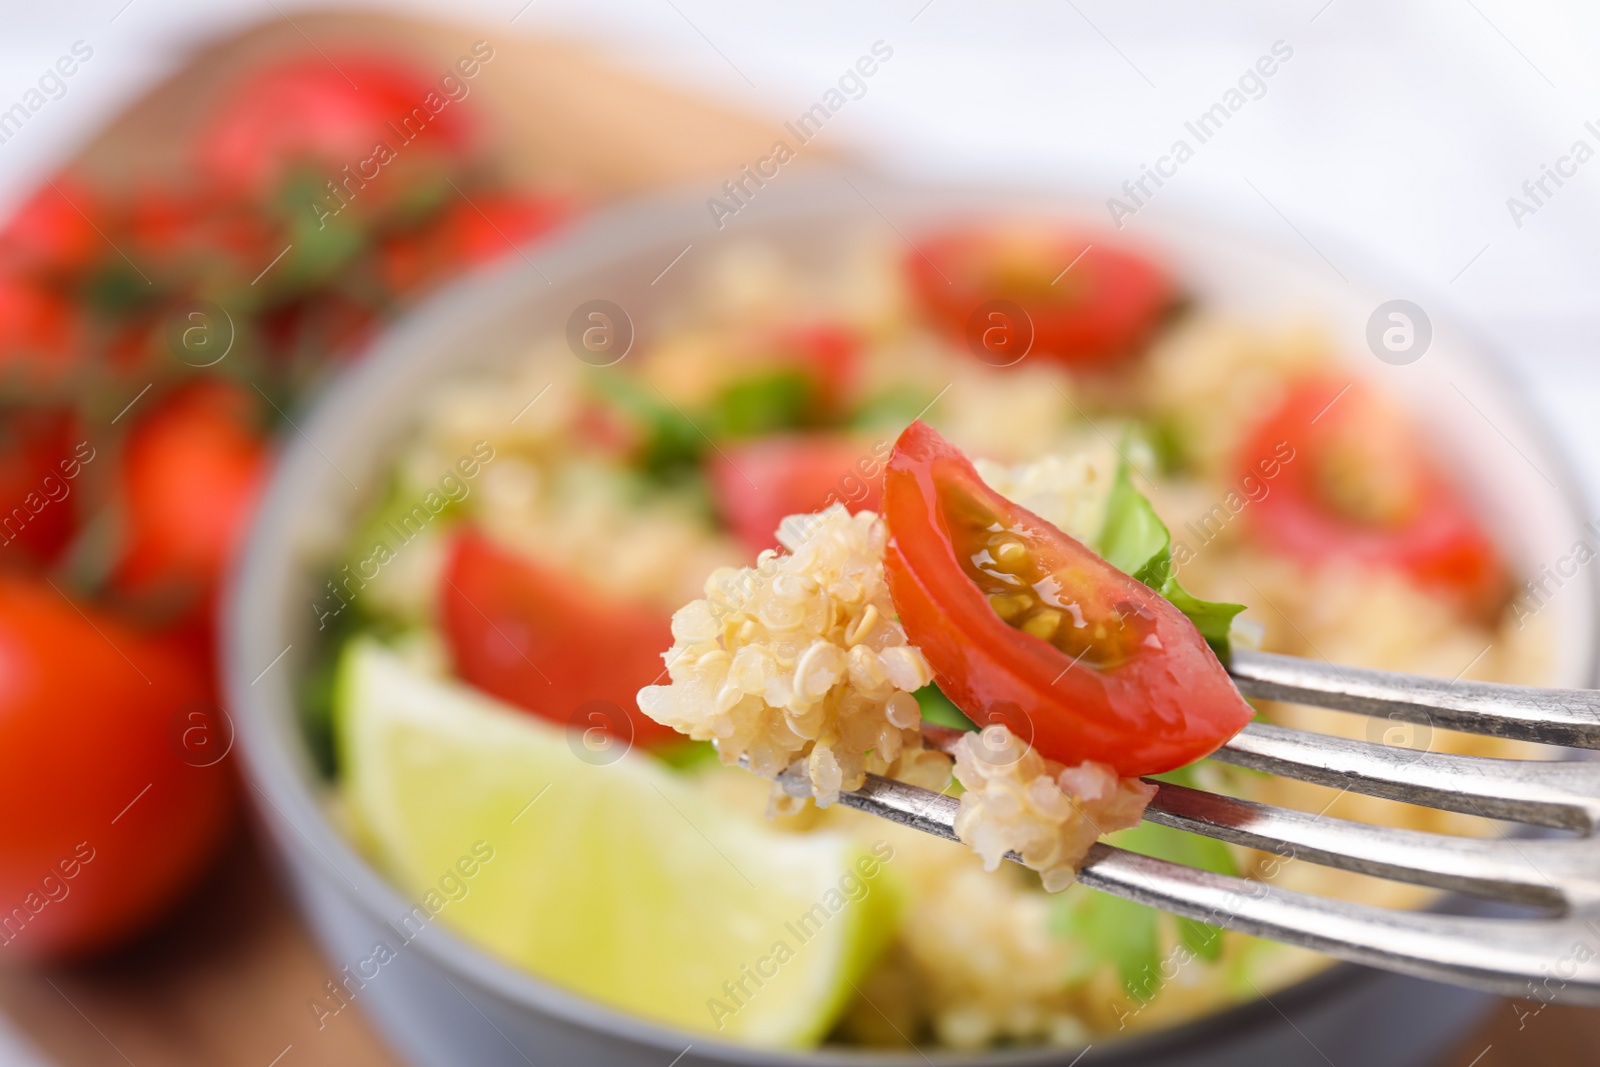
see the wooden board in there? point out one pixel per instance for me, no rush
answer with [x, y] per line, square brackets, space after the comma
[227, 980]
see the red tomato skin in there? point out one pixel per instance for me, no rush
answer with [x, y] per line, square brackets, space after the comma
[161, 221]
[38, 502]
[467, 234]
[1119, 296]
[41, 333]
[1154, 712]
[832, 352]
[83, 733]
[757, 484]
[533, 637]
[191, 472]
[496, 224]
[1442, 547]
[51, 232]
[305, 110]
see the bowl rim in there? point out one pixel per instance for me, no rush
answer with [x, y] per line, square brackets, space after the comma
[269, 768]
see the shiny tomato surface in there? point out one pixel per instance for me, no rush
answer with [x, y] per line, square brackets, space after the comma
[1027, 627]
[545, 641]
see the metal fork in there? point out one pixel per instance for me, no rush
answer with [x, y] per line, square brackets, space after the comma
[1553, 958]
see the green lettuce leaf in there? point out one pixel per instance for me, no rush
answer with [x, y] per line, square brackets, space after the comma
[1116, 933]
[1135, 541]
[1108, 931]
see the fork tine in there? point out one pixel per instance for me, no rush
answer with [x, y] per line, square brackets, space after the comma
[1551, 960]
[909, 805]
[1560, 794]
[1500, 955]
[1496, 868]
[1568, 717]
[1564, 794]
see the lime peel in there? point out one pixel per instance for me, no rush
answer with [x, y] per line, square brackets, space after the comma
[623, 881]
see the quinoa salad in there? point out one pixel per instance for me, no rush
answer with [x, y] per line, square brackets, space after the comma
[689, 597]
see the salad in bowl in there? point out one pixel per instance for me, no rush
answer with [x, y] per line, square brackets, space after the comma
[614, 621]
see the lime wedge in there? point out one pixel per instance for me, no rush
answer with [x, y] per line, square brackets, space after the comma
[615, 878]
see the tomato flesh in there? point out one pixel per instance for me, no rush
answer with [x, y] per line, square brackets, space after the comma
[1090, 316]
[1361, 487]
[535, 638]
[1035, 588]
[1087, 663]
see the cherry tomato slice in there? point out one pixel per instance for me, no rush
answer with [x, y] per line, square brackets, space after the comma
[832, 352]
[756, 484]
[113, 785]
[1025, 626]
[794, 377]
[1092, 315]
[534, 638]
[1362, 487]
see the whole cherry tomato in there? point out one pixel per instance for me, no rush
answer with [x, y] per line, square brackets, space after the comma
[191, 470]
[41, 460]
[112, 803]
[329, 113]
[51, 233]
[41, 334]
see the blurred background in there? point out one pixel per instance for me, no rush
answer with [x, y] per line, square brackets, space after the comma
[1415, 138]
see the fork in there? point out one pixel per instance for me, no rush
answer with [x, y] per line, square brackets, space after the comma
[1552, 958]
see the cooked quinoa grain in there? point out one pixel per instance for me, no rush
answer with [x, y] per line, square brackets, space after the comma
[800, 659]
[1018, 801]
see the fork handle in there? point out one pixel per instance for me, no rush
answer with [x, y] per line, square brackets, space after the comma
[1569, 717]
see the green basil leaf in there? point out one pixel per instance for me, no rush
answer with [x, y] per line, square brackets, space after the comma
[671, 441]
[1191, 850]
[1214, 619]
[766, 403]
[941, 710]
[1134, 540]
